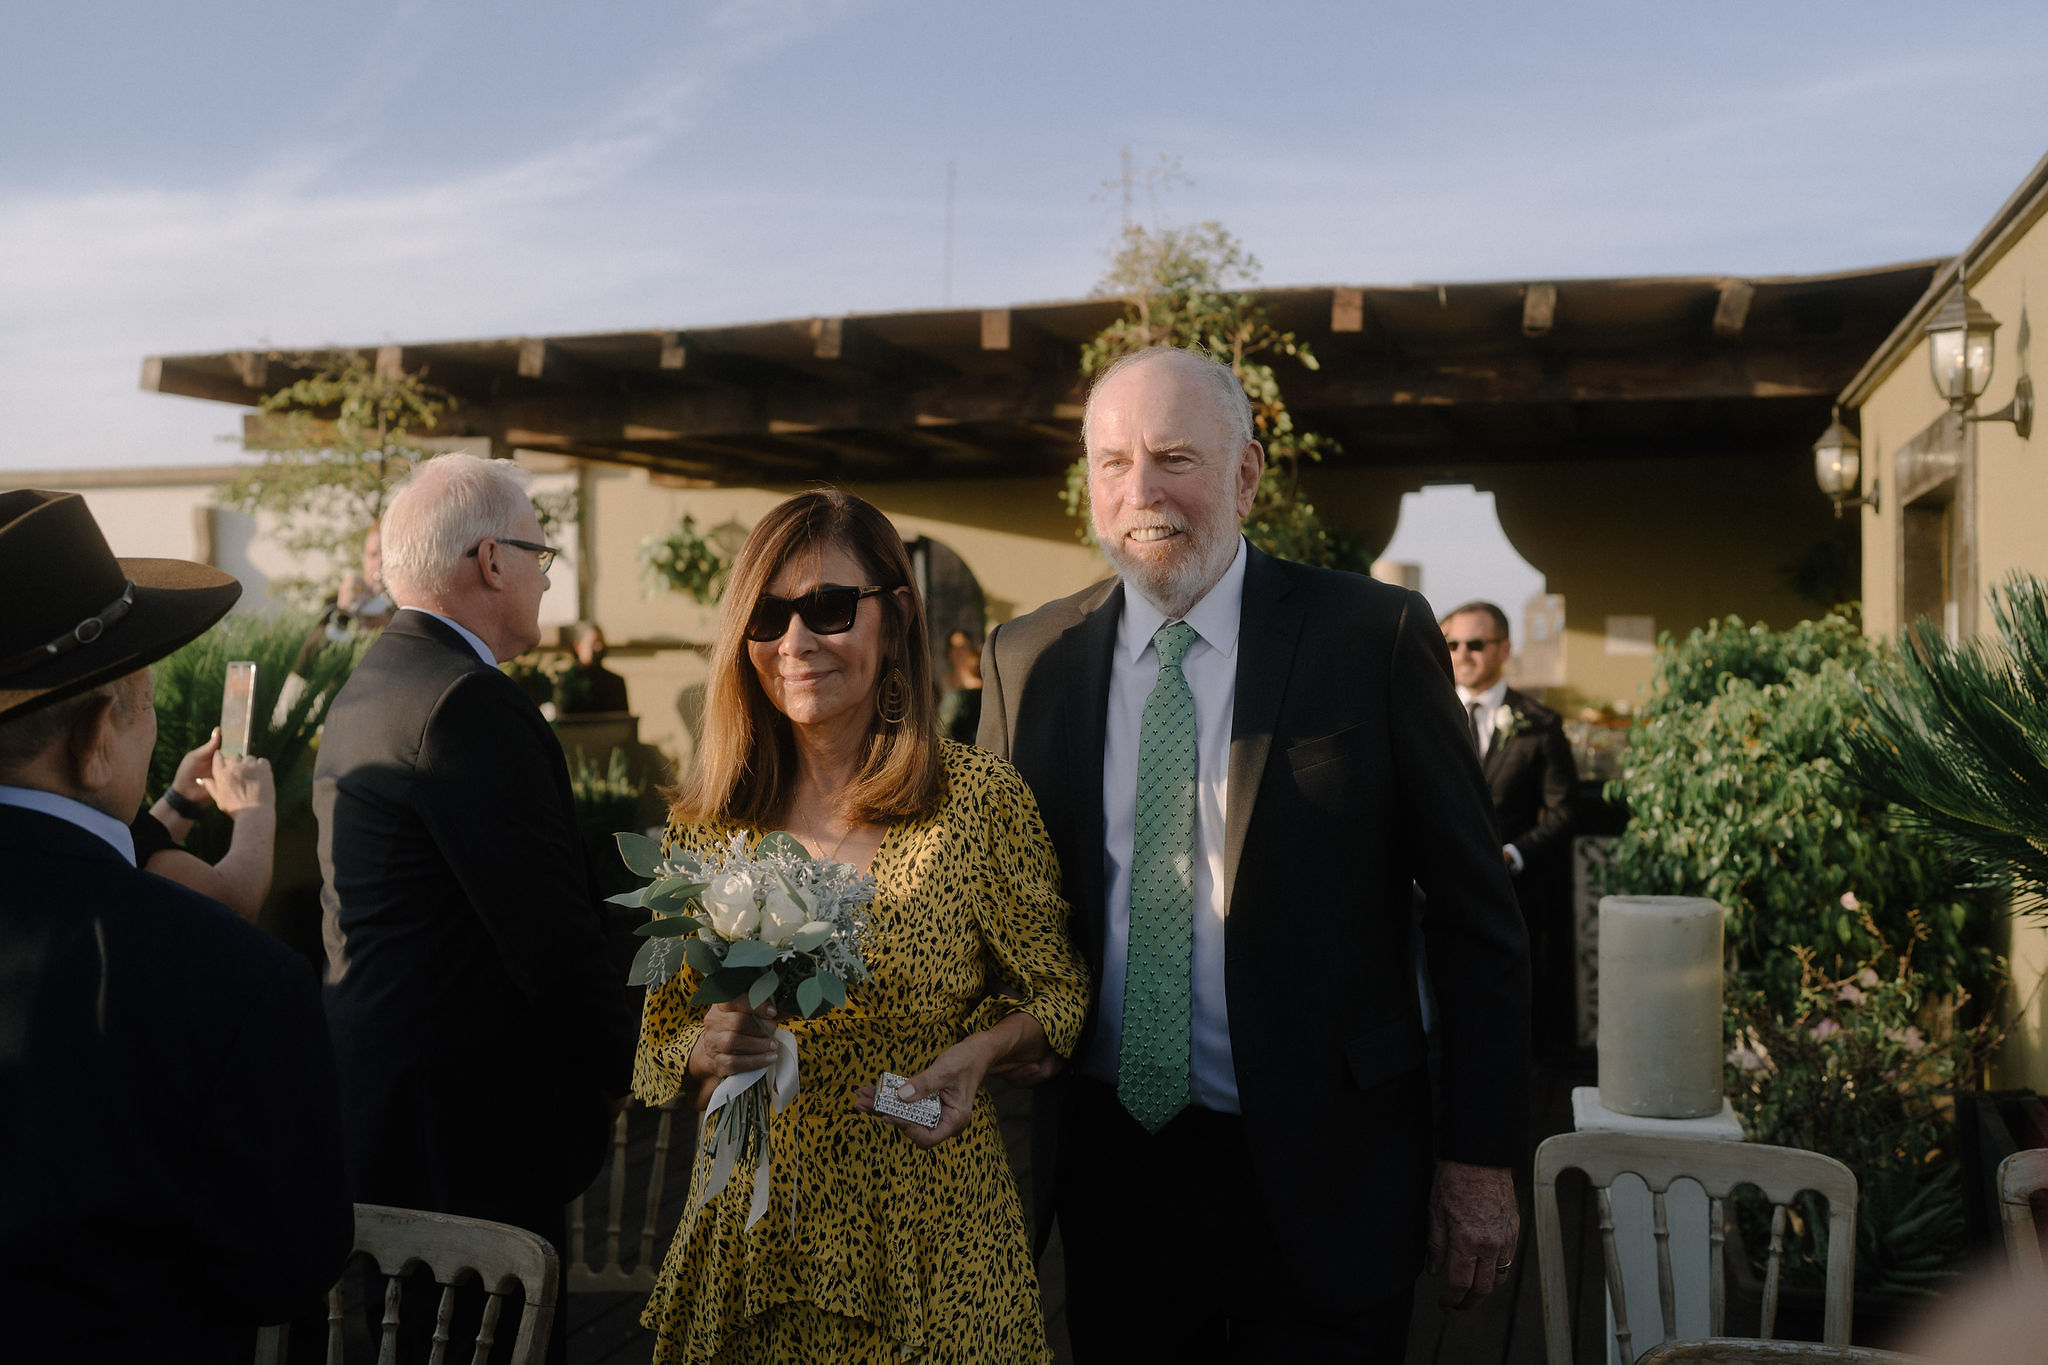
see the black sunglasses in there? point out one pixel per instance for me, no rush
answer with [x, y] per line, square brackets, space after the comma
[544, 553]
[1475, 646]
[828, 610]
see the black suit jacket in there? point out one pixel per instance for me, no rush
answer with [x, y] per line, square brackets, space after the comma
[478, 1020]
[170, 1137]
[1351, 776]
[1531, 775]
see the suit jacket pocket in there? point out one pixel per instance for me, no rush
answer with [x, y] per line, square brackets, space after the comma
[1340, 744]
[1386, 1053]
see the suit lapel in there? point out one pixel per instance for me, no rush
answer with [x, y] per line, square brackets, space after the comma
[1269, 624]
[1496, 743]
[1085, 706]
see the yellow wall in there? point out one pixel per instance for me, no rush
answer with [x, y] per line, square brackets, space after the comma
[2011, 534]
[1684, 540]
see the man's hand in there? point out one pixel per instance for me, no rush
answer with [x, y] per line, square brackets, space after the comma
[1474, 1227]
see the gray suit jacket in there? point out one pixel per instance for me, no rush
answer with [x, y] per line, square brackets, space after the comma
[1352, 778]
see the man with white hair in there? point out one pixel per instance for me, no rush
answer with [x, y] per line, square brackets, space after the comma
[482, 1032]
[1245, 765]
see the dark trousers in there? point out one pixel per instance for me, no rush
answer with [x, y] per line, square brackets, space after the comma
[1170, 1257]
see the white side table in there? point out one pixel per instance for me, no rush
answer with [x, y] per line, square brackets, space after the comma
[1685, 1207]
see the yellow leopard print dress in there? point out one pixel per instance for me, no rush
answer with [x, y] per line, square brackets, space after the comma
[896, 1253]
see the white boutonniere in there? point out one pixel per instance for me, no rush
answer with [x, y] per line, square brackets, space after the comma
[1508, 722]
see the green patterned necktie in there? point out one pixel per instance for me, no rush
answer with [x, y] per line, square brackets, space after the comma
[1152, 1063]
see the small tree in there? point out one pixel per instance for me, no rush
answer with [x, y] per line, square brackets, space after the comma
[335, 444]
[1188, 287]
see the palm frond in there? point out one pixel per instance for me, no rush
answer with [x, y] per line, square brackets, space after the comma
[1958, 739]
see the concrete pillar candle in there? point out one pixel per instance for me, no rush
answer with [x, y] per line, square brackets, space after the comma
[1660, 1006]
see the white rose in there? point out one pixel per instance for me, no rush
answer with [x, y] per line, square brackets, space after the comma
[782, 914]
[1504, 720]
[729, 900]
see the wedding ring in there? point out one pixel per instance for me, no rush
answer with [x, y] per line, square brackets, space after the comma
[1503, 1266]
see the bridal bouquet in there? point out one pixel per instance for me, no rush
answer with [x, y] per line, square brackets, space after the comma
[770, 924]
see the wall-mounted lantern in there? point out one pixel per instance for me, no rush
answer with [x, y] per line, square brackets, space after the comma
[1962, 349]
[1837, 465]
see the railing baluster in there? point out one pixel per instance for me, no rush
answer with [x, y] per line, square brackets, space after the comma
[1717, 1288]
[1616, 1293]
[1667, 1292]
[387, 1338]
[1768, 1328]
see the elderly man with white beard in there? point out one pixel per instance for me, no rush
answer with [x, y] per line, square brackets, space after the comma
[1245, 765]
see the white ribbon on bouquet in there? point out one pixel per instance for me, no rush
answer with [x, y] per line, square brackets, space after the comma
[724, 1147]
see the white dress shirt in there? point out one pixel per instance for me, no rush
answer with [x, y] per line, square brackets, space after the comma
[73, 812]
[1210, 666]
[483, 651]
[1490, 701]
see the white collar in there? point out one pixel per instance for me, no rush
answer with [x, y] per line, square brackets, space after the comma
[73, 812]
[1491, 700]
[1215, 618]
[483, 651]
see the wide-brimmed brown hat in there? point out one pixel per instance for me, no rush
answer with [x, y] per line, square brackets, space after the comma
[72, 616]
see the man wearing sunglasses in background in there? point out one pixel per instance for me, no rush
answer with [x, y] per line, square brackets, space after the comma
[1531, 776]
[480, 1028]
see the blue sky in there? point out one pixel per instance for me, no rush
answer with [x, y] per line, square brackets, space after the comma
[203, 176]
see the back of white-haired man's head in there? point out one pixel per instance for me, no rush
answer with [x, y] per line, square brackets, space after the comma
[439, 513]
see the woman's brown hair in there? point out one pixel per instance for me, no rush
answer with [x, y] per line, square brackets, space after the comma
[746, 757]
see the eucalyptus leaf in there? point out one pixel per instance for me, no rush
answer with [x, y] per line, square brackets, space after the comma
[675, 889]
[751, 952]
[675, 926]
[782, 844]
[712, 991]
[699, 955]
[811, 935]
[765, 985]
[632, 900]
[644, 963]
[640, 853]
[833, 987]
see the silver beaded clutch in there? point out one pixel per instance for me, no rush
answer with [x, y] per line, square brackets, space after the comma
[924, 1112]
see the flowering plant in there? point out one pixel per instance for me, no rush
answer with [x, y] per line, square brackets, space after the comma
[770, 924]
[1862, 1068]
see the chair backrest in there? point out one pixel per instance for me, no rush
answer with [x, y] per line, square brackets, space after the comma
[1745, 1351]
[612, 1276]
[1778, 1173]
[2022, 1178]
[397, 1240]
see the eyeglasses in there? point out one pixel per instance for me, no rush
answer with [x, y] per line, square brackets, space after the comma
[1472, 646]
[828, 610]
[544, 553]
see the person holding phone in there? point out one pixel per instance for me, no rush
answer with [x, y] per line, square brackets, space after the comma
[884, 1240]
[242, 786]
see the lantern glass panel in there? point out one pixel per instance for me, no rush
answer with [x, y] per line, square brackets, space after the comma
[1945, 360]
[1835, 467]
[1981, 356]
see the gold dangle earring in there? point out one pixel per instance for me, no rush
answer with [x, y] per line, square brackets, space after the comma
[892, 698]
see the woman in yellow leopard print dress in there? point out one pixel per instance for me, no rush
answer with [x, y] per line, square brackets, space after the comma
[882, 1241]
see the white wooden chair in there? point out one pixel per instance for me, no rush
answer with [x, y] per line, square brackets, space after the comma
[612, 1277]
[1749, 1351]
[397, 1240]
[2021, 1177]
[1779, 1173]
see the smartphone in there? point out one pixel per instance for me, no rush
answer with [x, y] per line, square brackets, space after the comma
[238, 708]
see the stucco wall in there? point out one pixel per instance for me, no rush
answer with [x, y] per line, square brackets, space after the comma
[1682, 540]
[2011, 534]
